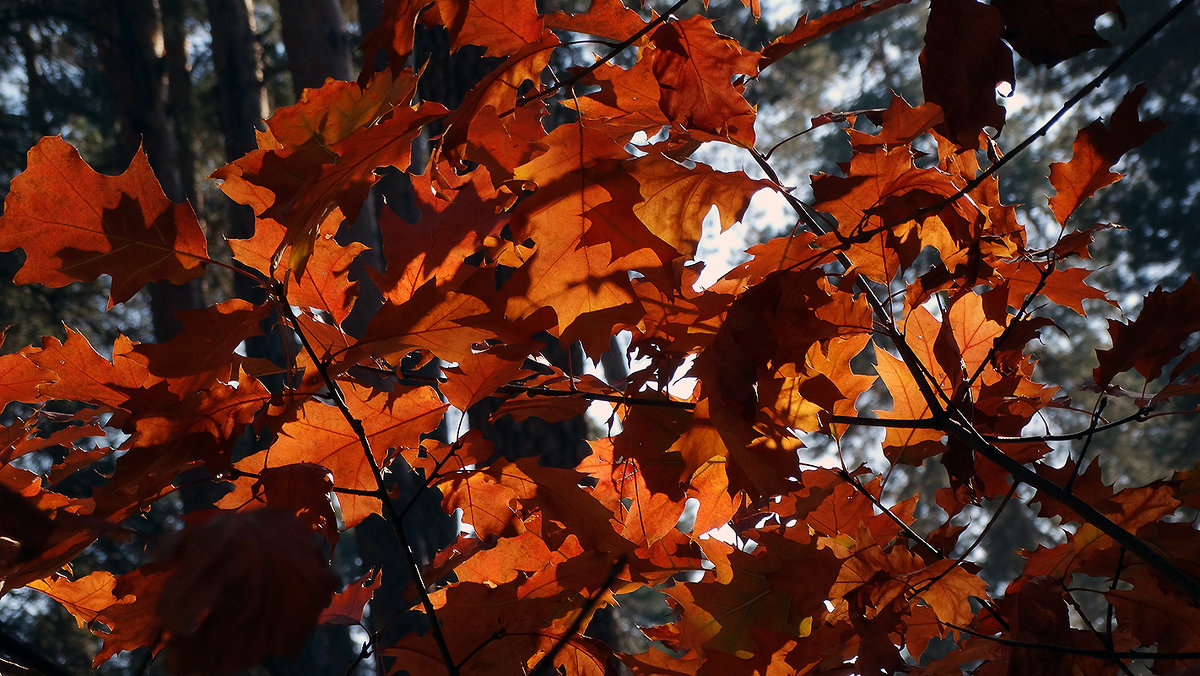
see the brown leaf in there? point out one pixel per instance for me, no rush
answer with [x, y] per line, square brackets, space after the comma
[1045, 32]
[244, 586]
[1097, 148]
[963, 61]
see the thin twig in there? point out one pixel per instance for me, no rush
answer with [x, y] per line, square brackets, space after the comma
[1105, 641]
[908, 531]
[958, 561]
[1072, 650]
[1087, 441]
[546, 664]
[1095, 83]
[661, 19]
[389, 510]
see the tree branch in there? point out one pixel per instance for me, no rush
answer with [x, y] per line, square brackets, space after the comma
[381, 493]
[546, 664]
[1072, 650]
[1095, 83]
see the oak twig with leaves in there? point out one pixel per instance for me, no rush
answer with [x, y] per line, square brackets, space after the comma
[910, 278]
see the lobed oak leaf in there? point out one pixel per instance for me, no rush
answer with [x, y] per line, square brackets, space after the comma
[948, 588]
[1096, 149]
[179, 423]
[508, 641]
[579, 268]
[645, 517]
[207, 340]
[448, 324]
[974, 331]
[448, 231]
[75, 224]
[963, 62]
[1149, 342]
[626, 102]
[695, 67]
[501, 142]
[899, 124]
[300, 186]
[337, 109]
[327, 286]
[560, 497]
[120, 610]
[479, 374]
[21, 379]
[343, 184]
[676, 199]
[393, 36]
[85, 598]
[302, 490]
[486, 503]
[1045, 32]
[763, 606]
[908, 446]
[321, 435]
[496, 93]
[505, 560]
[1065, 286]
[500, 26]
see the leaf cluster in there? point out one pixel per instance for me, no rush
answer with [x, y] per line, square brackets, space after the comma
[906, 273]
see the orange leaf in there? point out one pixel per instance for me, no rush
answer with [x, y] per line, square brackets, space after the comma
[347, 605]
[1097, 148]
[322, 436]
[808, 30]
[502, 26]
[75, 225]
[695, 67]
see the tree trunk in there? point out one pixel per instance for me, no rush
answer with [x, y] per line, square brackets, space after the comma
[129, 39]
[241, 97]
[314, 35]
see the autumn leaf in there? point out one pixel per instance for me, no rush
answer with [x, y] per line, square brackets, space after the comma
[1097, 148]
[242, 586]
[807, 30]
[321, 435]
[963, 62]
[676, 199]
[1045, 32]
[1149, 342]
[348, 605]
[604, 18]
[695, 67]
[75, 225]
[501, 26]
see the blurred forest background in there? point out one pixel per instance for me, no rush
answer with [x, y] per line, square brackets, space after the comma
[188, 80]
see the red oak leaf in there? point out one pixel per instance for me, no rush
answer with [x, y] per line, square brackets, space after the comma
[963, 62]
[1097, 148]
[75, 224]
